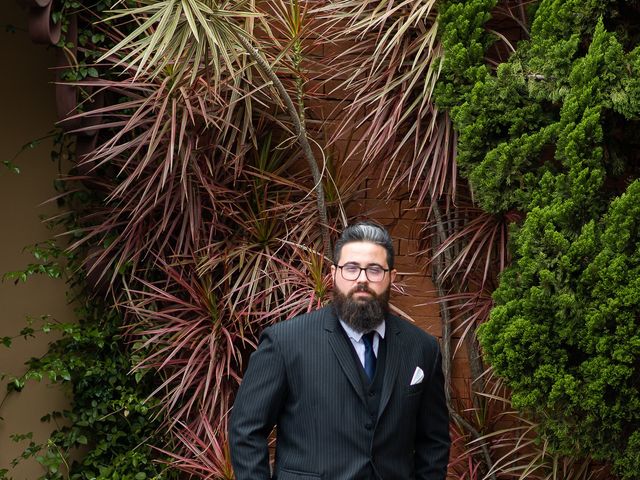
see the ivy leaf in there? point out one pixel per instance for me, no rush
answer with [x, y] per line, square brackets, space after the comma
[27, 332]
[11, 166]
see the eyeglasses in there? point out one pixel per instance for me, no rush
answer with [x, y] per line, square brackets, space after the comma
[351, 271]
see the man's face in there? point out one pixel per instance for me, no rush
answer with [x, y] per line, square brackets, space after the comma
[362, 254]
[361, 302]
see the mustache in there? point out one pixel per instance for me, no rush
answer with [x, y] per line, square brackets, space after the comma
[362, 288]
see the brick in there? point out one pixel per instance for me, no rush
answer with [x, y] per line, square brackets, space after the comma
[406, 229]
[335, 89]
[410, 247]
[461, 368]
[410, 211]
[345, 148]
[461, 387]
[327, 109]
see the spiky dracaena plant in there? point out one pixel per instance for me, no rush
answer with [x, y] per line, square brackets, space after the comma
[178, 104]
[390, 62]
[387, 63]
[209, 229]
[196, 317]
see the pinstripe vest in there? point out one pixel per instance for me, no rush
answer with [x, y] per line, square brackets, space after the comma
[371, 393]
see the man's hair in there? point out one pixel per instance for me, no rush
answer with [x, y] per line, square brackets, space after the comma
[365, 232]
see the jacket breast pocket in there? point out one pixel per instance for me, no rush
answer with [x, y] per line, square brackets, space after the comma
[284, 474]
[414, 389]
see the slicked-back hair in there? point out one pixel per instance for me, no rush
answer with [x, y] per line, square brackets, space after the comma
[365, 232]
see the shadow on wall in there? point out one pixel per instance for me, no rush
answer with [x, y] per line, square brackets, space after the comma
[28, 113]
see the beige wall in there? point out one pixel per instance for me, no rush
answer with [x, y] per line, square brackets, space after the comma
[28, 112]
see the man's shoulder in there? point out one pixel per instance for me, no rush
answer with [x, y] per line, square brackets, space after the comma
[303, 322]
[412, 331]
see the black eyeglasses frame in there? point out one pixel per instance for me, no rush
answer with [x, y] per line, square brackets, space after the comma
[366, 273]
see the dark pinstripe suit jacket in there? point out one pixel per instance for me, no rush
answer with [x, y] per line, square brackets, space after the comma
[304, 379]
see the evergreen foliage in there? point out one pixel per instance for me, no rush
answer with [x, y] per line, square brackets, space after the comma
[550, 133]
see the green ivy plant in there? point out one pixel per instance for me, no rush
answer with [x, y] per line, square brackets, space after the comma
[110, 419]
[106, 432]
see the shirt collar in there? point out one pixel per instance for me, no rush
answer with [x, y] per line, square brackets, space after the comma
[355, 335]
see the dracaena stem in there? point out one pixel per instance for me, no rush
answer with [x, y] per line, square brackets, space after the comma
[301, 133]
[437, 279]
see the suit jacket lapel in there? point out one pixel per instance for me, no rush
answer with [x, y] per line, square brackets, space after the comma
[342, 350]
[392, 362]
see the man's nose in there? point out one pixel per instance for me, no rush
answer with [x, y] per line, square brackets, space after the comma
[362, 276]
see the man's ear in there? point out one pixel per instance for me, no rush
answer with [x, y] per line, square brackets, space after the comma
[333, 271]
[392, 275]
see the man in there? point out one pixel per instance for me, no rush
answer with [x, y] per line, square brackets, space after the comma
[355, 393]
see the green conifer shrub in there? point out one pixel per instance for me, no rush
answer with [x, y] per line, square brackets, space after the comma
[551, 133]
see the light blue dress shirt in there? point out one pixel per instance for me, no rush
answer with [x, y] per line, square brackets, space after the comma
[358, 343]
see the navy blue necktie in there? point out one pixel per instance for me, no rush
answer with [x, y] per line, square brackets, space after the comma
[369, 355]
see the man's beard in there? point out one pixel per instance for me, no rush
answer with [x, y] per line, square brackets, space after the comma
[362, 315]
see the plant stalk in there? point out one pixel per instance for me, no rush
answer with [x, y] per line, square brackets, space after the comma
[301, 133]
[445, 315]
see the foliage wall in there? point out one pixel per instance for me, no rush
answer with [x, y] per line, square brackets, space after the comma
[551, 134]
[208, 189]
[191, 225]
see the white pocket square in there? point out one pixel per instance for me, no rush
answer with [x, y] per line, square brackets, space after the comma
[418, 376]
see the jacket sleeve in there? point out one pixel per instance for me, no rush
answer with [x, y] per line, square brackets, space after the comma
[256, 409]
[432, 435]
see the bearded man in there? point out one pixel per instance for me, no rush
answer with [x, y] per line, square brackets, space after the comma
[355, 393]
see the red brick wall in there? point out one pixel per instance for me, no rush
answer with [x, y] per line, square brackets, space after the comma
[416, 295]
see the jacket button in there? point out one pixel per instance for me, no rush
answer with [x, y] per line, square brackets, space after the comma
[368, 425]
